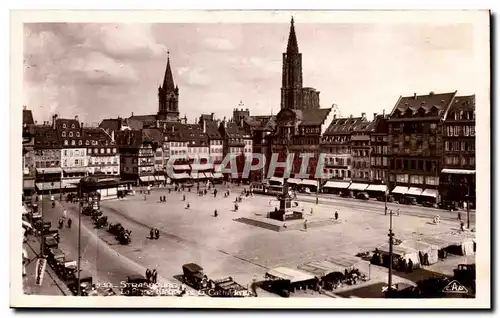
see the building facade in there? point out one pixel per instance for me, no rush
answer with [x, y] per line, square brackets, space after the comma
[378, 155]
[361, 151]
[136, 156]
[28, 164]
[415, 147]
[102, 152]
[458, 178]
[47, 158]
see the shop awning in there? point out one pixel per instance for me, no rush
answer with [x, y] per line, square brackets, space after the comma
[201, 166]
[414, 191]
[196, 175]
[45, 186]
[276, 179]
[430, 193]
[293, 181]
[209, 174]
[290, 274]
[147, 178]
[400, 190]
[218, 175]
[182, 167]
[76, 170]
[69, 184]
[48, 170]
[28, 184]
[458, 171]
[358, 186]
[310, 182]
[160, 178]
[336, 185]
[377, 187]
[182, 175]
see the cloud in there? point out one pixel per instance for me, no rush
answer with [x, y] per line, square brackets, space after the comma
[195, 76]
[219, 44]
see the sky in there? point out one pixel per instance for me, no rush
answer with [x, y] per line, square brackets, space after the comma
[99, 71]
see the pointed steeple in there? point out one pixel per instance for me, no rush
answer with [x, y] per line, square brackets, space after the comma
[168, 80]
[292, 46]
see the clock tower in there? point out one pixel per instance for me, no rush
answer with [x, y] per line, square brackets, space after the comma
[168, 97]
[291, 87]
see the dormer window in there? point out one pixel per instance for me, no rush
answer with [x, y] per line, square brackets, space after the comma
[73, 142]
[78, 134]
[71, 134]
[64, 125]
[63, 134]
[87, 142]
[65, 142]
[80, 142]
[73, 126]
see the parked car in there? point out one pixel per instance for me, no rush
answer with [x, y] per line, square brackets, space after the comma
[429, 204]
[363, 196]
[390, 198]
[408, 200]
[347, 194]
[448, 205]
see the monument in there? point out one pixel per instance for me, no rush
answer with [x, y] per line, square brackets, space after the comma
[285, 211]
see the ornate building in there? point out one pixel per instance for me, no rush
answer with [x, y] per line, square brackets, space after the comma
[168, 97]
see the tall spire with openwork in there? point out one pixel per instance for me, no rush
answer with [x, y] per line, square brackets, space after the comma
[168, 80]
[292, 47]
[168, 96]
[291, 84]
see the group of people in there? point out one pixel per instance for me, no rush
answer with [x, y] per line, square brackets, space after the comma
[163, 198]
[152, 276]
[154, 234]
[64, 217]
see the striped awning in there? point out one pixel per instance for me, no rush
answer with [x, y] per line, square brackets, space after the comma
[182, 175]
[76, 170]
[458, 171]
[69, 184]
[293, 181]
[430, 193]
[358, 186]
[377, 187]
[310, 182]
[147, 178]
[48, 170]
[218, 175]
[414, 191]
[336, 185]
[400, 190]
[160, 178]
[182, 167]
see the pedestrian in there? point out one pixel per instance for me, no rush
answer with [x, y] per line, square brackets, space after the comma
[385, 211]
[169, 190]
[157, 234]
[188, 206]
[459, 216]
[148, 275]
[151, 233]
[397, 212]
[305, 225]
[161, 198]
[410, 265]
[155, 276]
[164, 198]
[215, 193]
[69, 222]
[61, 222]
[215, 213]
[64, 213]
[184, 197]
[311, 211]
[462, 228]
[336, 215]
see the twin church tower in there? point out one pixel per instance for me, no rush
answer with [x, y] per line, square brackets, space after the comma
[293, 94]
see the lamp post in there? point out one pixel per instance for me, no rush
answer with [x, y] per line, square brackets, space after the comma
[79, 235]
[391, 235]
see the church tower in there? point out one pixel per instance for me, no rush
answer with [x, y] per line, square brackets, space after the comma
[291, 87]
[168, 96]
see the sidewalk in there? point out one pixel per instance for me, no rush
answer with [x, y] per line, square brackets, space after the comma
[51, 285]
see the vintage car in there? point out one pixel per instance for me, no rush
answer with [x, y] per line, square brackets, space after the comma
[429, 204]
[408, 200]
[347, 194]
[390, 198]
[55, 257]
[363, 196]
[193, 275]
[85, 283]
[448, 205]
[49, 243]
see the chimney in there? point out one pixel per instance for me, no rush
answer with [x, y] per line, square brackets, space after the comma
[54, 118]
[431, 93]
[212, 116]
[374, 116]
[350, 116]
[415, 95]
[383, 112]
[25, 107]
[363, 115]
[76, 117]
[204, 126]
[334, 116]
[132, 114]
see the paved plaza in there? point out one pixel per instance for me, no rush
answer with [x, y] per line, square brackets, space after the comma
[225, 247]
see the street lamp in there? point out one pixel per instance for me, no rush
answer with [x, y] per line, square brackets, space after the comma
[79, 235]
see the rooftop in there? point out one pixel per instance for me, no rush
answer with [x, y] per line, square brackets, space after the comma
[342, 126]
[420, 106]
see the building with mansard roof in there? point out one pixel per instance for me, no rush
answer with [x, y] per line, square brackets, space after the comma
[102, 150]
[415, 144]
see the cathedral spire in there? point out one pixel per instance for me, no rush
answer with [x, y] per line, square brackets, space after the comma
[168, 80]
[292, 46]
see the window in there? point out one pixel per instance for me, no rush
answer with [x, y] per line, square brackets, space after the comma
[108, 150]
[462, 146]
[402, 178]
[417, 179]
[78, 134]
[71, 134]
[96, 150]
[446, 145]
[73, 126]
[80, 142]
[466, 130]
[433, 126]
[431, 180]
[384, 161]
[472, 161]
[472, 130]
[102, 150]
[63, 134]
[73, 142]
[65, 152]
[64, 125]
[87, 142]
